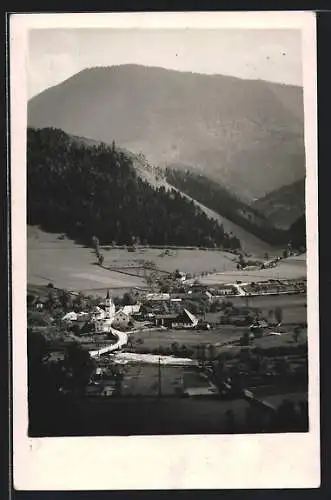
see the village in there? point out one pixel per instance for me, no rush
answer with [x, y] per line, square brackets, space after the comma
[181, 338]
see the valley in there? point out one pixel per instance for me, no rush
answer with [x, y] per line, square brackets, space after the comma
[166, 256]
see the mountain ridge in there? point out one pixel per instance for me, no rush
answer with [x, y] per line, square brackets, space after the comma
[161, 68]
[229, 128]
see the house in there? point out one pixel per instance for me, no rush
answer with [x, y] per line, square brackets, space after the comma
[121, 319]
[98, 313]
[73, 316]
[166, 320]
[225, 290]
[185, 319]
[33, 300]
[133, 309]
[102, 325]
[70, 316]
[158, 296]
[192, 295]
[39, 305]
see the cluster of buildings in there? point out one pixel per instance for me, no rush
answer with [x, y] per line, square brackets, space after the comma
[105, 316]
[275, 287]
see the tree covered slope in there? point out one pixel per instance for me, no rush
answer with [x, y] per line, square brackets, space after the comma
[216, 197]
[85, 190]
[283, 206]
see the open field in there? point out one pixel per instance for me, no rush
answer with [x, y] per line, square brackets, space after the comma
[72, 266]
[293, 306]
[187, 260]
[165, 338]
[143, 380]
[291, 268]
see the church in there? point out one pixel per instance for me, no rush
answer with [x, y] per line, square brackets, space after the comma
[102, 324]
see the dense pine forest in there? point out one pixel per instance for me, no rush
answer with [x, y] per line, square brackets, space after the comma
[216, 197]
[84, 190]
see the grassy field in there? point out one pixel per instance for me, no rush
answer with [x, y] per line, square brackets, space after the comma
[143, 380]
[293, 306]
[291, 268]
[165, 338]
[72, 266]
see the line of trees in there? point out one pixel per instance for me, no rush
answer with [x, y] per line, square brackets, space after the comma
[85, 190]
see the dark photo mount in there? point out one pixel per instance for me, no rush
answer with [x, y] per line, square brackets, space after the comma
[80, 423]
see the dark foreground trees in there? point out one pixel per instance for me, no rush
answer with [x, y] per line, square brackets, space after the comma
[49, 376]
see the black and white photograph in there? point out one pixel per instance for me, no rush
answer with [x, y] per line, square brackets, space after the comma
[166, 185]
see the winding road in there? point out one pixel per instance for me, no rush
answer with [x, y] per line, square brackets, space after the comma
[122, 340]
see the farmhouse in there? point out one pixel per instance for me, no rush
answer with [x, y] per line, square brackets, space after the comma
[158, 296]
[121, 319]
[184, 319]
[166, 320]
[98, 313]
[102, 325]
[192, 295]
[73, 316]
[134, 309]
[34, 301]
[224, 290]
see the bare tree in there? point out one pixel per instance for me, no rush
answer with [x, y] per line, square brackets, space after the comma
[96, 245]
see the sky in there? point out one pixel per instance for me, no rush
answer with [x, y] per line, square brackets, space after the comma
[268, 54]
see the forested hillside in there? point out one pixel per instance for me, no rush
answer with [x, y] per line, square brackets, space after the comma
[218, 198]
[85, 190]
[283, 206]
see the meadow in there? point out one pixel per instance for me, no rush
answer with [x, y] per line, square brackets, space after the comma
[290, 268]
[56, 259]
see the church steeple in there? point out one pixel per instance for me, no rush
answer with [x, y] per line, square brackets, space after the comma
[110, 306]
